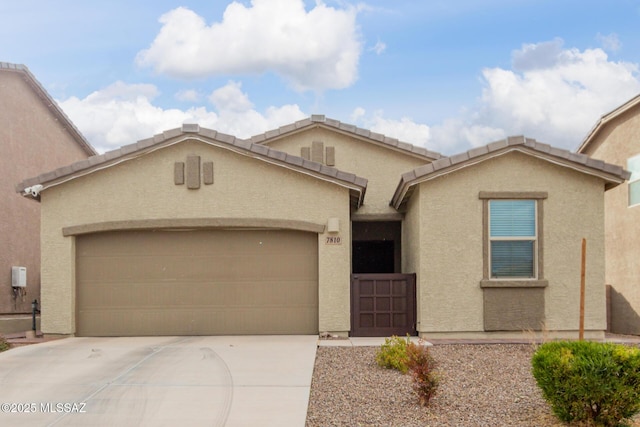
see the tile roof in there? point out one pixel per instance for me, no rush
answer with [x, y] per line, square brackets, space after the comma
[356, 184]
[612, 174]
[50, 103]
[320, 120]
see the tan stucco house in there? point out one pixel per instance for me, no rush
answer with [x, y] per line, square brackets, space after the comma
[322, 226]
[616, 138]
[35, 135]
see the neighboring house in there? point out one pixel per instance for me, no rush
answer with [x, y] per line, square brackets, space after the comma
[35, 135]
[322, 226]
[616, 138]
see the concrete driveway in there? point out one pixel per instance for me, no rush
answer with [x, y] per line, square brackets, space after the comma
[156, 381]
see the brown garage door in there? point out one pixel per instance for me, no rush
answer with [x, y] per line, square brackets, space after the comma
[206, 282]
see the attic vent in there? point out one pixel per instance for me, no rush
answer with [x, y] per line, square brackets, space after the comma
[319, 153]
[192, 172]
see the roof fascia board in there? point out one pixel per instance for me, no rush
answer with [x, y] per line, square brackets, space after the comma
[359, 189]
[267, 138]
[399, 196]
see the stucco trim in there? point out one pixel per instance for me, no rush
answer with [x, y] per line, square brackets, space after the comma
[513, 195]
[187, 223]
[486, 283]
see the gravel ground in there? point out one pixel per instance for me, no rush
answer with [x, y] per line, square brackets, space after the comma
[480, 385]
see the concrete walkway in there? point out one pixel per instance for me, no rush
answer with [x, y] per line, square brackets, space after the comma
[155, 381]
[184, 381]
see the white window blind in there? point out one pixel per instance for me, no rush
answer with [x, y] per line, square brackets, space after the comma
[512, 232]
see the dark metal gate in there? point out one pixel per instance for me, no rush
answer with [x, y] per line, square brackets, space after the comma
[383, 305]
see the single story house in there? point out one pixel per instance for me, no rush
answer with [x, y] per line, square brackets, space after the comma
[615, 138]
[322, 226]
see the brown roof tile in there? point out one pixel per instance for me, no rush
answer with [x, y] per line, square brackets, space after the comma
[318, 119]
[612, 173]
[356, 185]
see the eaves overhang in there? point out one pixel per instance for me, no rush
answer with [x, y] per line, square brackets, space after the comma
[612, 175]
[356, 185]
[320, 121]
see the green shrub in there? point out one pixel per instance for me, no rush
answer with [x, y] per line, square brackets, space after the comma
[422, 366]
[4, 345]
[587, 381]
[403, 355]
[393, 354]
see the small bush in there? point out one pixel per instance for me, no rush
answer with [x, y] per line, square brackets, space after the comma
[393, 354]
[586, 381]
[4, 345]
[422, 366]
[403, 355]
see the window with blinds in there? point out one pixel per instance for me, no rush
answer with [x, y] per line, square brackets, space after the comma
[512, 238]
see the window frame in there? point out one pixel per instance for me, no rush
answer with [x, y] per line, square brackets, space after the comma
[538, 280]
[533, 239]
[633, 181]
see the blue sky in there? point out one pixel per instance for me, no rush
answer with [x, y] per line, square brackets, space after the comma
[447, 75]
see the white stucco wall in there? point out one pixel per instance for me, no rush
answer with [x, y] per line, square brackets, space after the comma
[144, 189]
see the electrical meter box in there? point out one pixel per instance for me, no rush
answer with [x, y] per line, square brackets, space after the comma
[19, 277]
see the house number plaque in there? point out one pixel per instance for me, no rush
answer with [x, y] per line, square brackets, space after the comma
[333, 240]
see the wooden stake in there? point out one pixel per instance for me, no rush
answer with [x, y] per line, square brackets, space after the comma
[582, 286]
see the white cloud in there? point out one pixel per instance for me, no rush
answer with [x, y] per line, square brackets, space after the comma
[379, 47]
[558, 98]
[405, 129]
[231, 97]
[537, 56]
[237, 116]
[314, 50]
[188, 95]
[122, 114]
[357, 114]
[552, 94]
[609, 42]
[450, 137]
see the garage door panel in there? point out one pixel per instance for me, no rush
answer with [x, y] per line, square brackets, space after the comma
[198, 282]
[219, 294]
[172, 268]
[187, 321]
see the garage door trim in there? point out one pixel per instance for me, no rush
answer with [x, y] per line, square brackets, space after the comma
[153, 224]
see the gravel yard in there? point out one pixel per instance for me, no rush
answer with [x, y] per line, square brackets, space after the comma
[480, 385]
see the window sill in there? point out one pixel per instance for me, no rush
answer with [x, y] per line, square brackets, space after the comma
[525, 283]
